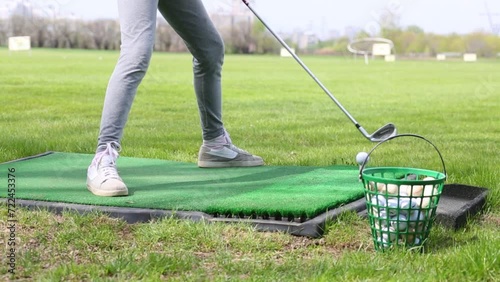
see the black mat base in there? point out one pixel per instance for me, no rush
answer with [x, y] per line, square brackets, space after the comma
[457, 203]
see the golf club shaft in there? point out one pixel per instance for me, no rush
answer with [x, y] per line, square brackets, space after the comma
[283, 43]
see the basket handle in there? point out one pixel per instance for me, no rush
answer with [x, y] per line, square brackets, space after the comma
[397, 136]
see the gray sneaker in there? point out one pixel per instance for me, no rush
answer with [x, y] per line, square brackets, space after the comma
[228, 156]
[102, 176]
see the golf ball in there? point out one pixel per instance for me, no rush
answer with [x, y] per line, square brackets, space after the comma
[403, 190]
[379, 201]
[417, 241]
[393, 203]
[361, 157]
[430, 190]
[414, 190]
[379, 214]
[388, 234]
[391, 189]
[424, 202]
[408, 203]
[416, 217]
[399, 222]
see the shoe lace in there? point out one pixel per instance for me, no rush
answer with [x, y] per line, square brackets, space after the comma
[232, 146]
[227, 137]
[110, 172]
[238, 150]
[108, 167]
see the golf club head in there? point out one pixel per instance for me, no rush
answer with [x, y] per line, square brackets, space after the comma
[383, 133]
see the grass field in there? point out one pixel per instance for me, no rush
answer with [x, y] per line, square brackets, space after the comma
[52, 99]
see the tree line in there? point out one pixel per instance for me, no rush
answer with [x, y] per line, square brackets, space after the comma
[104, 34]
[239, 36]
[414, 42]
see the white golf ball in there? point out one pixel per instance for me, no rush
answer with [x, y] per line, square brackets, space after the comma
[425, 201]
[388, 234]
[361, 157]
[430, 190]
[399, 222]
[379, 214]
[379, 201]
[403, 190]
[391, 189]
[416, 217]
[414, 190]
[408, 203]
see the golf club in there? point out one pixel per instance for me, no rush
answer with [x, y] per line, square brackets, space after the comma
[380, 134]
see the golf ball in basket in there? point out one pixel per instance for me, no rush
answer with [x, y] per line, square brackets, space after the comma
[416, 217]
[361, 157]
[408, 203]
[393, 203]
[399, 222]
[430, 190]
[414, 190]
[379, 200]
[388, 234]
[379, 213]
[403, 190]
[411, 239]
[425, 201]
[391, 189]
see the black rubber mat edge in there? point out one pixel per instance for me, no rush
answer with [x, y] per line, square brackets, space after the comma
[29, 158]
[311, 228]
[457, 203]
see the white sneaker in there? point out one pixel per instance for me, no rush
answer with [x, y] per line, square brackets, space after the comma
[102, 176]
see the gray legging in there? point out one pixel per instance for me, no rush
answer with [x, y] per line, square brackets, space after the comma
[138, 25]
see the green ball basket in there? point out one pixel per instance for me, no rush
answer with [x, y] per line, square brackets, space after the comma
[401, 202]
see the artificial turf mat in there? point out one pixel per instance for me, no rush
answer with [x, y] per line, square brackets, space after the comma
[268, 191]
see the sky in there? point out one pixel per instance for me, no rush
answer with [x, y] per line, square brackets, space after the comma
[320, 16]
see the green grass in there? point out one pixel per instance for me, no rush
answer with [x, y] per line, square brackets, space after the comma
[52, 100]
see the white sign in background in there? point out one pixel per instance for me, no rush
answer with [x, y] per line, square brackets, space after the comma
[19, 43]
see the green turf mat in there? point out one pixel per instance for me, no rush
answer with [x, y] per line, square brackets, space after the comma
[298, 191]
